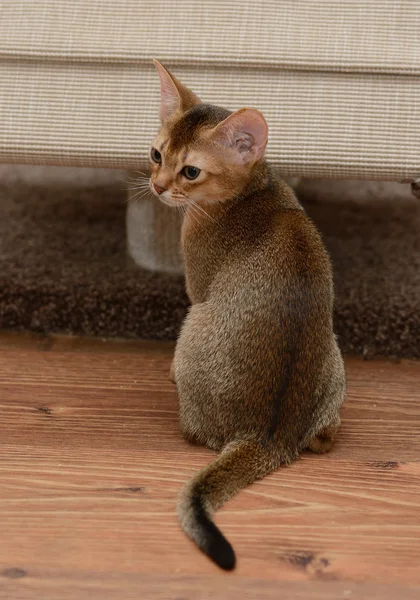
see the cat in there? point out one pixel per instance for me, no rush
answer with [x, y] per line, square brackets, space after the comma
[258, 371]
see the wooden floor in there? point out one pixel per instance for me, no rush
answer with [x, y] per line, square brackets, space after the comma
[92, 462]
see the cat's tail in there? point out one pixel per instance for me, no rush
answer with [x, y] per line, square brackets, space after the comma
[239, 464]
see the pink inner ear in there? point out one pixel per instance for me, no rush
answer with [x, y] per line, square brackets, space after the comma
[174, 95]
[170, 100]
[243, 141]
[245, 131]
[170, 97]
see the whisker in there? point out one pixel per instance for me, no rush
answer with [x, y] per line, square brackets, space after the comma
[138, 181]
[139, 196]
[194, 214]
[139, 188]
[191, 203]
[202, 210]
[181, 210]
[130, 173]
[131, 179]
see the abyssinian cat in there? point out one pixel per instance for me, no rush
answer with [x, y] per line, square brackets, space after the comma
[257, 367]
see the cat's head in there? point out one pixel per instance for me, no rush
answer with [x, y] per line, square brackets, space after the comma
[202, 153]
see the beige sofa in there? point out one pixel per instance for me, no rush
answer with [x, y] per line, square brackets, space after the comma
[339, 82]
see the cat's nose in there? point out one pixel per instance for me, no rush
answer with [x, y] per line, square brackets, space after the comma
[158, 188]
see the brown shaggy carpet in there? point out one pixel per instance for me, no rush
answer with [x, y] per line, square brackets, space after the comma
[63, 265]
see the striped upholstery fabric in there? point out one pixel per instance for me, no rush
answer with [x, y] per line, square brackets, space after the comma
[339, 82]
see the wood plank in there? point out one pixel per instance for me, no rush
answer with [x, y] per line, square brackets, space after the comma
[59, 585]
[92, 463]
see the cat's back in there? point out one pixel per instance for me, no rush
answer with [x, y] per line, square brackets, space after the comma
[280, 235]
[279, 240]
[285, 267]
[296, 243]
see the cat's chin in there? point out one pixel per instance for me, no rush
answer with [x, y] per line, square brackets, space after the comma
[168, 201]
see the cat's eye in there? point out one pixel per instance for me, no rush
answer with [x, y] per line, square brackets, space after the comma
[155, 155]
[191, 172]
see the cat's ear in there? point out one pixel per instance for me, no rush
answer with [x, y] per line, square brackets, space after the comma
[174, 95]
[246, 132]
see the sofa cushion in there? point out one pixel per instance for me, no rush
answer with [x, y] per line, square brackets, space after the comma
[338, 82]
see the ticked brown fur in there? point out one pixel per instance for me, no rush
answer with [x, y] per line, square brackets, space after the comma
[257, 367]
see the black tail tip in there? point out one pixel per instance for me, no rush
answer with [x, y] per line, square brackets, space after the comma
[210, 539]
[222, 553]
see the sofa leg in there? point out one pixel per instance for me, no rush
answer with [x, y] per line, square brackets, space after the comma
[153, 234]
